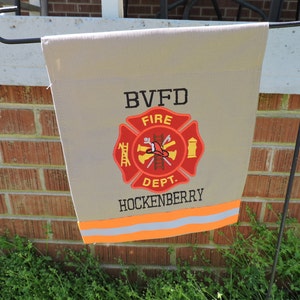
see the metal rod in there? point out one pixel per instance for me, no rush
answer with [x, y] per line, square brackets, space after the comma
[284, 213]
[20, 41]
[284, 24]
[8, 9]
[275, 10]
[38, 40]
[163, 9]
[217, 9]
[243, 3]
[238, 15]
[18, 5]
[44, 7]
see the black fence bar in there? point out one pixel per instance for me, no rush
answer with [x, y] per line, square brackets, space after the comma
[20, 41]
[18, 5]
[38, 40]
[163, 9]
[284, 213]
[250, 6]
[8, 9]
[275, 10]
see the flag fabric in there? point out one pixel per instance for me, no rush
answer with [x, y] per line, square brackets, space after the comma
[156, 126]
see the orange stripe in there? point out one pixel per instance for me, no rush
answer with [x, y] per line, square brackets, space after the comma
[159, 217]
[155, 234]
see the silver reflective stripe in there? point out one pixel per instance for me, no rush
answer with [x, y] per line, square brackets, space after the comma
[161, 225]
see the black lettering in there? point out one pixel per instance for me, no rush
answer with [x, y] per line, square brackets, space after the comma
[123, 206]
[183, 196]
[132, 99]
[145, 203]
[192, 194]
[176, 196]
[162, 96]
[153, 201]
[161, 200]
[135, 203]
[169, 197]
[130, 204]
[200, 191]
[148, 102]
[181, 96]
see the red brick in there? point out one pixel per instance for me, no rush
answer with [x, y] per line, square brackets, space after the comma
[86, 2]
[65, 7]
[295, 194]
[252, 208]
[58, 251]
[227, 8]
[226, 235]
[56, 14]
[278, 186]
[193, 238]
[35, 229]
[19, 179]
[17, 121]
[257, 186]
[209, 12]
[259, 159]
[292, 5]
[283, 161]
[3, 207]
[282, 130]
[200, 257]
[41, 205]
[135, 10]
[85, 15]
[269, 101]
[230, 13]
[294, 102]
[57, 1]
[25, 95]
[270, 186]
[294, 211]
[21, 152]
[56, 180]
[48, 122]
[65, 230]
[133, 255]
[88, 8]
[275, 209]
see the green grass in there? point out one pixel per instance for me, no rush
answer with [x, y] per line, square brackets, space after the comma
[27, 274]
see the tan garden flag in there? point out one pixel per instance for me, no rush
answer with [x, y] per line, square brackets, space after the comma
[156, 126]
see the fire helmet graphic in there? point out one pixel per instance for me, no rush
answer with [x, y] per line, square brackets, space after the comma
[158, 149]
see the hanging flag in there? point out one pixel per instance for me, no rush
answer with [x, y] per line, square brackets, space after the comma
[156, 126]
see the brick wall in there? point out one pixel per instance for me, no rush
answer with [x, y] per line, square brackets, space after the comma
[202, 10]
[35, 199]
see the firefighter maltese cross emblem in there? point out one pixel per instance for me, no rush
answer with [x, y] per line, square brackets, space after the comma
[158, 149]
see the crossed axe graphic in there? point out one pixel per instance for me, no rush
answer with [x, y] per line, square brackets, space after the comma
[156, 149]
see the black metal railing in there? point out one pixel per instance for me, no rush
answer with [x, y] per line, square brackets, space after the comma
[16, 6]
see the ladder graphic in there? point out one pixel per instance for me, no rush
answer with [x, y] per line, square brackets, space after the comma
[124, 154]
[159, 162]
